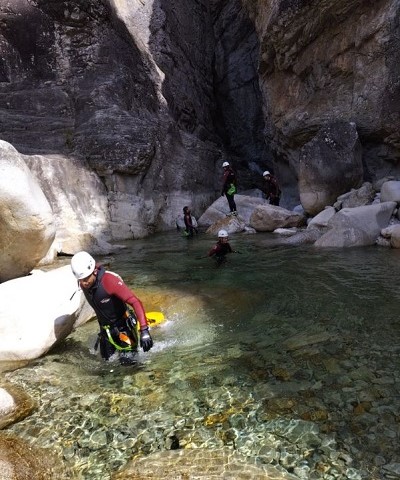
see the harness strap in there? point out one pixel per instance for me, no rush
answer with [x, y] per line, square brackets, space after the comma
[112, 341]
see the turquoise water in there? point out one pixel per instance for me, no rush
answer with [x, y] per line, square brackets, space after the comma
[289, 355]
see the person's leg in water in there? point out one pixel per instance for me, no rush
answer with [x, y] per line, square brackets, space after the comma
[106, 349]
[220, 259]
[130, 357]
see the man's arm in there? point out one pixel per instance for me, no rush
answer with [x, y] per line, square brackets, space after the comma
[114, 285]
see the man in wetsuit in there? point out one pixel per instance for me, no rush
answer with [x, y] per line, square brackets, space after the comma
[221, 248]
[109, 296]
[187, 218]
[229, 187]
[271, 190]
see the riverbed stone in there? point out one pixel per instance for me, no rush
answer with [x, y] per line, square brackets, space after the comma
[199, 463]
[21, 461]
[15, 404]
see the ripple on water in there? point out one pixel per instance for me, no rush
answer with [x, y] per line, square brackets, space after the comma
[287, 357]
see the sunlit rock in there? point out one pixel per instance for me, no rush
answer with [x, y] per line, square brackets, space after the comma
[52, 308]
[15, 404]
[21, 460]
[79, 203]
[26, 217]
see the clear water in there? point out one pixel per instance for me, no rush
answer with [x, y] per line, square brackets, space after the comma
[289, 355]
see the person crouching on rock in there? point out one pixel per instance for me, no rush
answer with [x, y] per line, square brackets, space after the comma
[109, 296]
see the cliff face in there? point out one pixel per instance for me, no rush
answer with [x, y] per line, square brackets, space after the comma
[324, 61]
[153, 96]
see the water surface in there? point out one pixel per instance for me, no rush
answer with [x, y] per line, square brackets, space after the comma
[289, 355]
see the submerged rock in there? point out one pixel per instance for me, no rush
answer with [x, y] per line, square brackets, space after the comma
[21, 461]
[199, 463]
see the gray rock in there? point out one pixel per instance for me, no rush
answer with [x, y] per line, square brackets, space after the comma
[330, 164]
[267, 218]
[352, 227]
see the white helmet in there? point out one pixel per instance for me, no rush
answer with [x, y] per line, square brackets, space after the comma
[82, 265]
[266, 173]
[225, 164]
[222, 234]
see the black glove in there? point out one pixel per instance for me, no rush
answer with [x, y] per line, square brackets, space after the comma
[146, 342]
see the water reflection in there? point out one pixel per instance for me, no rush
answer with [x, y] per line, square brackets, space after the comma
[290, 355]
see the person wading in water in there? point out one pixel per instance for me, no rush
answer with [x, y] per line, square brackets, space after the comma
[221, 248]
[109, 296]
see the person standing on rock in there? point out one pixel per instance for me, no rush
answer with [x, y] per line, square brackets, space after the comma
[229, 187]
[109, 296]
[271, 189]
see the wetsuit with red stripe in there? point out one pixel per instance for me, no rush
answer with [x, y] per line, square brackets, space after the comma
[108, 297]
[220, 250]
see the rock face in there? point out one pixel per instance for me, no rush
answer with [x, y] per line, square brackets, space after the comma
[26, 217]
[330, 164]
[153, 96]
[324, 61]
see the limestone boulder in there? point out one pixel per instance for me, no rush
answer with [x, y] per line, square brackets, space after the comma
[230, 224]
[267, 218]
[79, 203]
[245, 205]
[392, 233]
[330, 165]
[321, 220]
[354, 227]
[390, 191]
[356, 197]
[52, 308]
[26, 217]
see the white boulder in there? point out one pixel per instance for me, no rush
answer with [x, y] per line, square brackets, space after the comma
[52, 307]
[26, 217]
